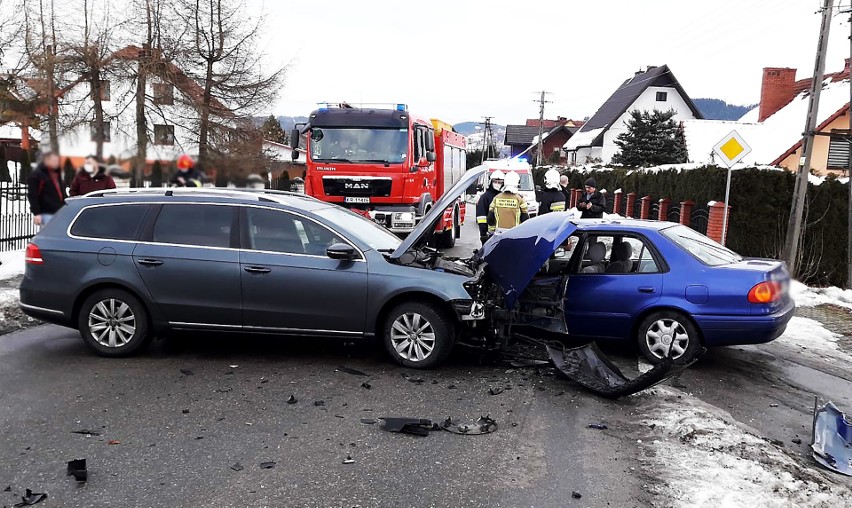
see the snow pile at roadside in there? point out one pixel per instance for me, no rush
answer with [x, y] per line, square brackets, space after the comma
[705, 458]
[809, 338]
[805, 296]
[13, 264]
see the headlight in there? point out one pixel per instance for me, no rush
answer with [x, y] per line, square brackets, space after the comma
[404, 216]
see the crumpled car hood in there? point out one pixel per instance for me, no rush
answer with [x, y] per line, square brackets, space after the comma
[514, 256]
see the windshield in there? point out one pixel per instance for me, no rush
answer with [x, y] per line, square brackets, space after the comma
[526, 182]
[706, 250]
[361, 145]
[367, 231]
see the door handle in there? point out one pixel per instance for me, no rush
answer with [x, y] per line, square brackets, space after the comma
[257, 269]
[150, 262]
[647, 290]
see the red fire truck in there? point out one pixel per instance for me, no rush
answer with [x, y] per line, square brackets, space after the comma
[385, 163]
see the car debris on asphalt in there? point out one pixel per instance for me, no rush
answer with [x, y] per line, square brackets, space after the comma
[77, 469]
[237, 467]
[366, 385]
[86, 432]
[267, 465]
[496, 390]
[422, 426]
[832, 438]
[348, 460]
[484, 425]
[597, 426]
[349, 370]
[413, 426]
[292, 399]
[187, 372]
[31, 498]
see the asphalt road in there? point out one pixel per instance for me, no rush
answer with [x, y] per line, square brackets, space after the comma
[192, 406]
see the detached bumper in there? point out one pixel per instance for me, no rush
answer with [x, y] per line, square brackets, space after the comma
[734, 330]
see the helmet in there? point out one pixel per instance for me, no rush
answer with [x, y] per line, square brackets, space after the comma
[511, 182]
[185, 162]
[496, 175]
[551, 179]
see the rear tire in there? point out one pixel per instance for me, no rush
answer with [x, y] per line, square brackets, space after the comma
[113, 323]
[664, 329]
[418, 335]
[447, 239]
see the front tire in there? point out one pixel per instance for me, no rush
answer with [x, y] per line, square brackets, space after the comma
[113, 323]
[418, 335]
[447, 239]
[663, 330]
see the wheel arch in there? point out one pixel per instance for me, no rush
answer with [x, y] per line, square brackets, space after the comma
[98, 286]
[418, 296]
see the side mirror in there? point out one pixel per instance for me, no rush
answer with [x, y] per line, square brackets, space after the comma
[341, 251]
[295, 134]
[430, 157]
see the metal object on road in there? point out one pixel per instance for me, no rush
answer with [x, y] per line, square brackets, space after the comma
[832, 438]
[413, 426]
[77, 469]
[484, 425]
[31, 498]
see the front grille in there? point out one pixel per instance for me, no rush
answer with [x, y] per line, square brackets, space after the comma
[357, 187]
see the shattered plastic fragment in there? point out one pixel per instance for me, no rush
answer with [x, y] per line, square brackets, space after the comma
[484, 425]
[590, 368]
[414, 426]
[31, 498]
[366, 385]
[86, 432]
[319, 402]
[832, 438]
[237, 467]
[598, 426]
[8, 489]
[267, 465]
[496, 391]
[349, 460]
[187, 372]
[77, 469]
[415, 380]
[576, 495]
[292, 399]
[349, 370]
[369, 421]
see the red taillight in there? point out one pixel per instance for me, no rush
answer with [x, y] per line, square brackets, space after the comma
[765, 292]
[33, 255]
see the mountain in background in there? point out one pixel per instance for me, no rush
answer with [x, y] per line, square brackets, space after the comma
[716, 109]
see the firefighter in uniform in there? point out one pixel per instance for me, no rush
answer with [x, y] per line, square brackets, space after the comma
[508, 209]
[552, 199]
[495, 185]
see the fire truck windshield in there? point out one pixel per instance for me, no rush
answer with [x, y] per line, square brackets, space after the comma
[361, 145]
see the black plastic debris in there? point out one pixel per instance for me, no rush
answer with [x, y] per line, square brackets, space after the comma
[292, 400]
[77, 469]
[796, 440]
[598, 426]
[237, 467]
[86, 432]
[267, 465]
[415, 380]
[496, 390]
[8, 489]
[484, 425]
[366, 385]
[31, 498]
[348, 460]
[590, 368]
[187, 372]
[413, 426]
[576, 495]
[451, 387]
[319, 403]
[185, 411]
[832, 438]
[527, 362]
[369, 421]
[349, 370]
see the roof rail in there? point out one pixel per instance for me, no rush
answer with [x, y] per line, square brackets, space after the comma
[209, 191]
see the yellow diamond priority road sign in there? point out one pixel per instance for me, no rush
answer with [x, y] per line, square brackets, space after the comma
[731, 149]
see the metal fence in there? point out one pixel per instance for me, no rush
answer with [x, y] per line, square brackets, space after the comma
[16, 221]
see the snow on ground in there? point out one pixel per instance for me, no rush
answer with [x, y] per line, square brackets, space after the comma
[805, 296]
[705, 458]
[12, 264]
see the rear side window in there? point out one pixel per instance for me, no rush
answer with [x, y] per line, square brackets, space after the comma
[195, 225]
[114, 222]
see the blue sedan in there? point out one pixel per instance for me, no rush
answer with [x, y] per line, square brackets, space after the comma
[660, 284]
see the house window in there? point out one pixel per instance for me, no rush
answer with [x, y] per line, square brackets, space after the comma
[662, 96]
[106, 132]
[104, 88]
[164, 94]
[164, 135]
[838, 152]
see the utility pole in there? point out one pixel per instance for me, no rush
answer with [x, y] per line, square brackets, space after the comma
[487, 138]
[541, 102]
[794, 225]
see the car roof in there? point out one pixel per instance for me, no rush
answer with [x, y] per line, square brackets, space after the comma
[621, 224]
[291, 200]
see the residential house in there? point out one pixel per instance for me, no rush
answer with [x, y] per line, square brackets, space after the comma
[653, 88]
[523, 139]
[774, 128]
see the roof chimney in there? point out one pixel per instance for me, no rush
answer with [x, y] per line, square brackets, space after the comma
[650, 68]
[776, 90]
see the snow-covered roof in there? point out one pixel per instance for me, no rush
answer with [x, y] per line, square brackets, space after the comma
[582, 138]
[702, 135]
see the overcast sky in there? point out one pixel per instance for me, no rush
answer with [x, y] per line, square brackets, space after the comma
[460, 60]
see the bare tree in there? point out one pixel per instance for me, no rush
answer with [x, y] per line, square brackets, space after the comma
[42, 57]
[224, 58]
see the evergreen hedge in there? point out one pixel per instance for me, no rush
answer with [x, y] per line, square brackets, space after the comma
[760, 208]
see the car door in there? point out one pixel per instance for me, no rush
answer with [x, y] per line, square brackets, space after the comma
[189, 262]
[605, 304]
[290, 285]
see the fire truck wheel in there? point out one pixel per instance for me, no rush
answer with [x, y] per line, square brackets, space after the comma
[447, 239]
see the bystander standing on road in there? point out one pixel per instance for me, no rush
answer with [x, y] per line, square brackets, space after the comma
[45, 189]
[91, 177]
[592, 203]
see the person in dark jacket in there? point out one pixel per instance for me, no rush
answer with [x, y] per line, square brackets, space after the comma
[552, 198]
[45, 189]
[495, 184]
[187, 175]
[564, 182]
[592, 203]
[91, 177]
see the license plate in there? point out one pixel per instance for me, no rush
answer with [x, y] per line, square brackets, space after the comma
[356, 200]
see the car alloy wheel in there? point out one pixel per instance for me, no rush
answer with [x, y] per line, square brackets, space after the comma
[112, 323]
[412, 337]
[665, 334]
